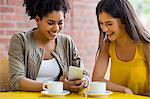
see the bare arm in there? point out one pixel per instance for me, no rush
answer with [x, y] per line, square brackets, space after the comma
[30, 85]
[100, 71]
[147, 55]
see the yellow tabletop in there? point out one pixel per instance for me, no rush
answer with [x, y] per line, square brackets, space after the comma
[38, 95]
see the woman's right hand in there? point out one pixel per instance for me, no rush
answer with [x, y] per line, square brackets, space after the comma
[75, 85]
[128, 91]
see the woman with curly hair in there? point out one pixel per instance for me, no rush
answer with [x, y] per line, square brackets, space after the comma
[43, 54]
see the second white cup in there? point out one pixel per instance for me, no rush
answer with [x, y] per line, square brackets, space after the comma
[98, 87]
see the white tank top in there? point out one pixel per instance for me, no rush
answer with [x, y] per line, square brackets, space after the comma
[49, 70]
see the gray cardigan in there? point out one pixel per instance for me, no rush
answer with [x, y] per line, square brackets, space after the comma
[25, 57]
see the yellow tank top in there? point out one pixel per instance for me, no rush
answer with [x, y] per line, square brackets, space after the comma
[132, 74]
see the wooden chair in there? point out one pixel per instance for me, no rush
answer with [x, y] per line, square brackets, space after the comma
[4, 75]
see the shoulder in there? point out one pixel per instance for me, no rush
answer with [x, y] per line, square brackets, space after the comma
[104, 49]
[66, 41]
[16, 38]
[21, 35]
[64, 38]
[105, 45]
[21, 39]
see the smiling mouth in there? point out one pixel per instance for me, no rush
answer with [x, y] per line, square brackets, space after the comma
[110, 34]
[52, 35]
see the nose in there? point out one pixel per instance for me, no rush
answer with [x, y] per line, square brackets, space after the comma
[104, 28]
[56, 28]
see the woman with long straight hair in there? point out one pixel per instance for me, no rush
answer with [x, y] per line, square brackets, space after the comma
[124, 41]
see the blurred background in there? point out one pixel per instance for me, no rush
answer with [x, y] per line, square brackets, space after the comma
[81, 25]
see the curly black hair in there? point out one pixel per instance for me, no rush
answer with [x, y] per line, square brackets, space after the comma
[41, 8]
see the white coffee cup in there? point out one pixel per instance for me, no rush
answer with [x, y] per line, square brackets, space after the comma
[98, 87]
[53, 87]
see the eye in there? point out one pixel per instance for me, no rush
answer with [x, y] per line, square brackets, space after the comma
[100, 23]
[50, 23]
[109, 24]
[60, 23]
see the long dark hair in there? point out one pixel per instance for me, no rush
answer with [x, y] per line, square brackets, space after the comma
[41, 8]
[122, 9]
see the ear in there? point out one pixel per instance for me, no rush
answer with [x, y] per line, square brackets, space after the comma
[37, 20]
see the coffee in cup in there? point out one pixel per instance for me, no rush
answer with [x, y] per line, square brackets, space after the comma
[53, 87]
[98, 87]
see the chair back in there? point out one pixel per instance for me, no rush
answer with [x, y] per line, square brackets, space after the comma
[4, 75]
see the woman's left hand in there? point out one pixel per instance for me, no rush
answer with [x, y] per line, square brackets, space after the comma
[75, 85]
[128, 91]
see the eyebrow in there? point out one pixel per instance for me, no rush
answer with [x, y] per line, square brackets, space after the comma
[54, 21]
[109, 21]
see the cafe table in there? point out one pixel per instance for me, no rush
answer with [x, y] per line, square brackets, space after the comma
[80, 95]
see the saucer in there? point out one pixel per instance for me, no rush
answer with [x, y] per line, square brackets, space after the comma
[98, 94]
[65, 92]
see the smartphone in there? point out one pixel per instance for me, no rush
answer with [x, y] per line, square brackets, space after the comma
[75, 73]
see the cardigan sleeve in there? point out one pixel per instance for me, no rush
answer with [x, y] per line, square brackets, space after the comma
[16, 62]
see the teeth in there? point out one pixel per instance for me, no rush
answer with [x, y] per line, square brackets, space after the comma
[110, 34]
